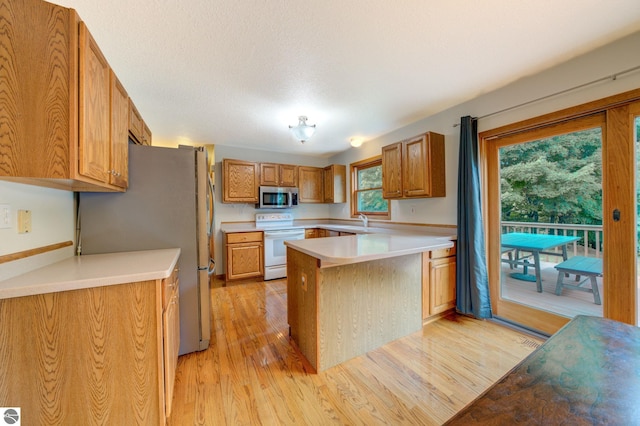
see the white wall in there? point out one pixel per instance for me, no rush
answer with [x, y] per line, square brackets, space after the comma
[606, 61]
[52, 216]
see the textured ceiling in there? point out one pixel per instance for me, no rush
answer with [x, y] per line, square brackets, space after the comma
[238, 72]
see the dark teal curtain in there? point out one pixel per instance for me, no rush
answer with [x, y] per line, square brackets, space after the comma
[472, 282]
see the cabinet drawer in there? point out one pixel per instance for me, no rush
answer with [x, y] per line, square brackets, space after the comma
[169, 288]
[244, 237]
[436, 254]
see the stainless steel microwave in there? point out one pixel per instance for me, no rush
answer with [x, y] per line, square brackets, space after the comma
[276, 197]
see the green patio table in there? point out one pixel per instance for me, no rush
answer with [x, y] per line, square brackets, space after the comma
[535, 244]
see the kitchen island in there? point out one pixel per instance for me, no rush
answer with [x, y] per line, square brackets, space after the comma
[349, 295]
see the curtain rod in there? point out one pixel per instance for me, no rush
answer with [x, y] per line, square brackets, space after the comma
[611, 77]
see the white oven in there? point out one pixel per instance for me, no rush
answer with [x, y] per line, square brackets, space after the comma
[275, 252]
[277, 229]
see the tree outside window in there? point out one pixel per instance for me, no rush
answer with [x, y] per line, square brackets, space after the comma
[366, 189]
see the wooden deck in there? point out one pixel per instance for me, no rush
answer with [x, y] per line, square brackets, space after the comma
[569, 304]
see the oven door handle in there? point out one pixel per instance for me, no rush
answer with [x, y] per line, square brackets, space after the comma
[278, 234]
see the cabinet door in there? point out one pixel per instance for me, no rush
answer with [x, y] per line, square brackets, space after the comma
[415, 163]
[244, 260]
[392, 170]
[335, 185]
[171, 347]
[288, 175]
[310, 188]
[327, 179]
[38, 89]
[269, 175]
[94, 120]
[119, 134]
[240, 181]
[146, 134]
[442, 283]
[136, 126]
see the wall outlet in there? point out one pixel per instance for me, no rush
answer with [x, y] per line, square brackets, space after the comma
[24, 221]
[5, 216]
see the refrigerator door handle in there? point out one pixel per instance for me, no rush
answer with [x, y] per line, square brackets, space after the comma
[212, 267]
[210, 209]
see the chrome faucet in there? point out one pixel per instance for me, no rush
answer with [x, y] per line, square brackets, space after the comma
[364, 219]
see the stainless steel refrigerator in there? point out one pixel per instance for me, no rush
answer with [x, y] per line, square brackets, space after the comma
[169, 203]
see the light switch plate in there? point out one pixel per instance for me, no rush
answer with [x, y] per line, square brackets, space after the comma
[24, 221]
[5, 216]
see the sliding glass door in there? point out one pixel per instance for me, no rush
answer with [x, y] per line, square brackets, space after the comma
[560, 204]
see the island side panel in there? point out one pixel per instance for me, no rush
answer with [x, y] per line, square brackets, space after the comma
[302, 303]
[363, 306]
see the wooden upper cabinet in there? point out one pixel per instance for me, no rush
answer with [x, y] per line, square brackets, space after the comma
[414, 167]
[39, 106]
[61, 110]
[310, 184]
[288, 175]
[138, 129]
[146, 135]
[240, 181]
[335, 185]
[119, 134]
[392, 170]
[136, 125]
[95, 126]
[278, 175]
[269, 175]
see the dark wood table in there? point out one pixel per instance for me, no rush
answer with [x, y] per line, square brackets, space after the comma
[587, 373]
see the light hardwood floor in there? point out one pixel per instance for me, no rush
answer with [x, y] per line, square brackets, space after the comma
[251, 375]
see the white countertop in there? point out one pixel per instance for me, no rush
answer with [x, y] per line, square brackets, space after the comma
[94, 270]
[334, 251]
[351, 226]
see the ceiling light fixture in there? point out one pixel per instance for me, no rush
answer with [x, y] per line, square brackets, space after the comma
[303, 131]
[355, 142]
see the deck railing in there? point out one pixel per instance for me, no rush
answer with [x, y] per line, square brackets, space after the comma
[590, 243]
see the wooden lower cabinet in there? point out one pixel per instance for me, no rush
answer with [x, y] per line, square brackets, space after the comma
[315, 233]
[438, 282]
[171, 340]
[311, 233]
[245, 255]
[89, 356]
